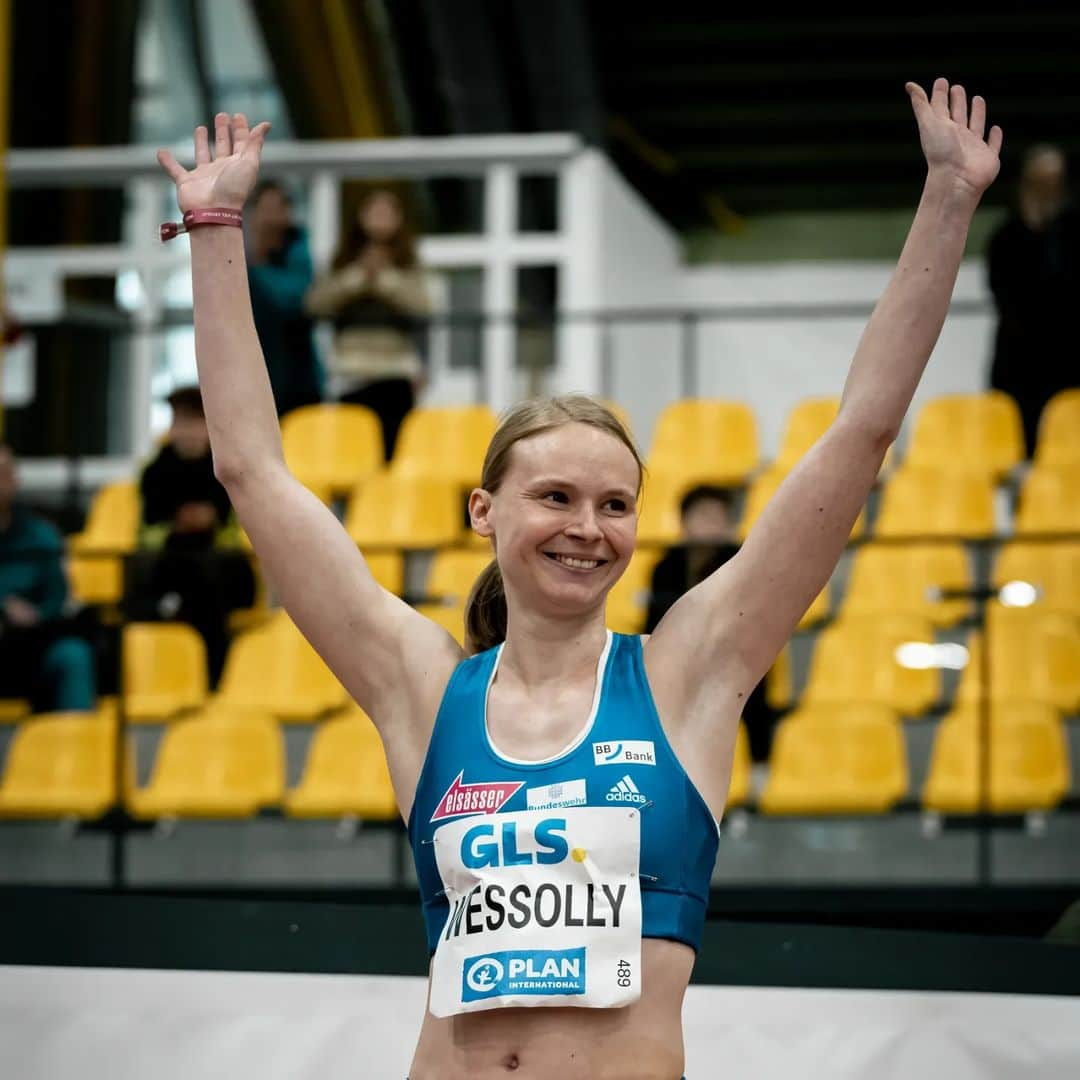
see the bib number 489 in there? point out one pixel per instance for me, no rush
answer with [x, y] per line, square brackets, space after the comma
[623, 973]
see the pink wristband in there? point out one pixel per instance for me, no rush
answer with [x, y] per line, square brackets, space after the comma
[211, 215]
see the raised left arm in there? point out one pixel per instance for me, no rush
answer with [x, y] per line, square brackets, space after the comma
[730, 628]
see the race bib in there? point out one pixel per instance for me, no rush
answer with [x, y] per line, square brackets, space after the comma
[545, 909]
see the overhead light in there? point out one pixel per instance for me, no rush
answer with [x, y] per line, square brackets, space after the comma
[1018, 594]
[922, 655]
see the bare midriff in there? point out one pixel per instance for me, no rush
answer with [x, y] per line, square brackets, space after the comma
[642, 1041]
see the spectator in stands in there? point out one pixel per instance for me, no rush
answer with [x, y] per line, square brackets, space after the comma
[708, 541]
[1034, 271]
[189, 568]
[376, 297]
[279, 275]
[41, 655]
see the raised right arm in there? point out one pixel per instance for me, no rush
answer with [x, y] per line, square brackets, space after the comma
[393, 661]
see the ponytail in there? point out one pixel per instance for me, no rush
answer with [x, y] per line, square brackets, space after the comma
[485, 611]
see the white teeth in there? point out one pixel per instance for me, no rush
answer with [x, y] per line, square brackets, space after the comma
[579, 564]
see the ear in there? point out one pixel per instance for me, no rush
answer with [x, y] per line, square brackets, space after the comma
[480, 505]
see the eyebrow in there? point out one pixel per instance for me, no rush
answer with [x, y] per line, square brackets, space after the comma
[554, 482]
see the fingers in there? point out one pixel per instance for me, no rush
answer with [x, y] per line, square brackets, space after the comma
[977, 123]
[202, 146]
[997, 137]
[254, 143]
[958, 107]
[173, 167]
[939, 98]
[918, 98]
[222, 136]
[240, 132]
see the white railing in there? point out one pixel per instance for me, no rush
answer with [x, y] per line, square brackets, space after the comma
[35, 276]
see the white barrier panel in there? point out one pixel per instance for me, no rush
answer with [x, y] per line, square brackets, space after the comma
[90, 1023]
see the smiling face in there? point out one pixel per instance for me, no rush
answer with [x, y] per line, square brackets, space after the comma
[563, 518]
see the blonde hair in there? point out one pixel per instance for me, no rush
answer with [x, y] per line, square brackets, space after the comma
[485, 610]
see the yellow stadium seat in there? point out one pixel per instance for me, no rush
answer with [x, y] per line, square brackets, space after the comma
[857, 660]
[60, 765]
[1034, 656]
[95, 565]
[852, 763]
[739, 787]
[450, 617]
[762, 489]
[1050, 501]
[274, 670]
[388, 569]
[937, 503]
[164, 670]
[454, 572]
[705, 442]
[1054, 570]
[13, 710]
[346, 774]
[628, 601]
[1029, 761]
[332, 448]
[404, 512]
[219, 765]
[658, 510]
[447, 442]
[889, 579]
[779, 685]
[806, 423]
[1059, 431]
[981, 432]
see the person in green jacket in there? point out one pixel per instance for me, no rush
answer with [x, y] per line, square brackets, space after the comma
[41, 658]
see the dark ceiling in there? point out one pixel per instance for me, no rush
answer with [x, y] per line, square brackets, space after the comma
[769, 113]
[712, 111]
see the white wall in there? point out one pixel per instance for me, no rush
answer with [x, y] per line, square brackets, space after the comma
[772, 363]
[172, 1025]
[627, 259]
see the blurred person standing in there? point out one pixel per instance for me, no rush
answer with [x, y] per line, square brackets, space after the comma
[42, 654]
[1034, 270]
[280, 273]
[707, 542]
[189, 566]
[376, 297]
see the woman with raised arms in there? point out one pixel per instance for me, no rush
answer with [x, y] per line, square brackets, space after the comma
[561, 783]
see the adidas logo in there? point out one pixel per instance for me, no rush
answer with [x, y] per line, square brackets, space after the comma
[626, 791]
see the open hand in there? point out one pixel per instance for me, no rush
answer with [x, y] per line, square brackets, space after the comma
[227, 178]
[952, 138]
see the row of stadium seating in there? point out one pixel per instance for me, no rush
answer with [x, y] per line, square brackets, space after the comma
[335, 448]
[230, 763]
[894, 595]
[390, 515]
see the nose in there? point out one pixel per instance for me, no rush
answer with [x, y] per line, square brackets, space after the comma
[584, 526]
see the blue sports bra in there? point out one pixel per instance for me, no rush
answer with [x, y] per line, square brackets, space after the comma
[620, 758]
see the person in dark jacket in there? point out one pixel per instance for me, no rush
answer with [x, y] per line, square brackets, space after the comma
[189, 568]
[42, 655]
[1034, 270]
[280, 271]
[707, 543]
